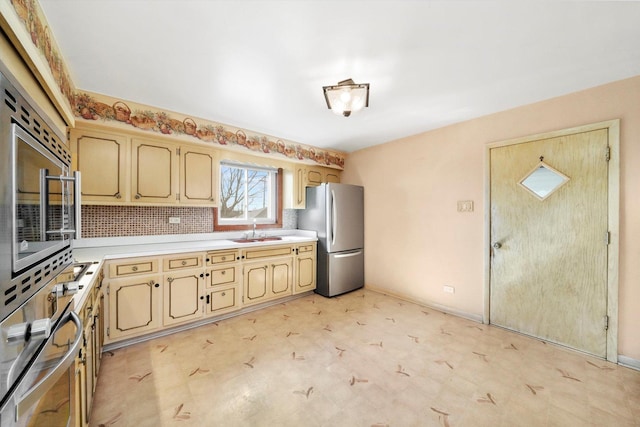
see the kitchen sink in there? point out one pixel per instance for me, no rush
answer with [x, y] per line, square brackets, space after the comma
[257, 239]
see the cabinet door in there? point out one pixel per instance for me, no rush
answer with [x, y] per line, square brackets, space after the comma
[305, 271]
[255, 283]
[88, 360]
[182, 296]
[314, 177]
[96, 346]
[134, 306]
[101, 158]
[80, 403]
[281, 272]
[198, 176]
[154, 174]
[223, 299]
[331, 176]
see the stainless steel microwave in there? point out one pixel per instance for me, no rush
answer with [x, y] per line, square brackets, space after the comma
[39, 203]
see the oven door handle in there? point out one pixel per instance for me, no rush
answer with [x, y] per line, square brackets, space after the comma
[30, 397]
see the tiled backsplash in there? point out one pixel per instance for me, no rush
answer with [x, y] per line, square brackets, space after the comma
[115, 221]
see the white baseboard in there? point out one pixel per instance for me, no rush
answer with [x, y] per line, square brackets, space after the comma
[429, 304]
[629, 362]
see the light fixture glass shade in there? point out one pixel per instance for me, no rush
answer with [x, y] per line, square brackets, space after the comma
[347, 97]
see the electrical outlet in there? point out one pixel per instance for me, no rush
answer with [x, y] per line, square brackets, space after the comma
[174, 220]
[449, 289]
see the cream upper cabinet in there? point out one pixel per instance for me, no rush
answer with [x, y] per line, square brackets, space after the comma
[154, 171]
[305, 268]
[303, 177]
[102, 160]
[198, 175]
[314, 177]
[332, 176]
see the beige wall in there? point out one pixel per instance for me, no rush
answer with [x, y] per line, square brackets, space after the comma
[416, 241]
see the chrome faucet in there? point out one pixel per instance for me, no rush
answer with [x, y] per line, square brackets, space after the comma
[253, 236]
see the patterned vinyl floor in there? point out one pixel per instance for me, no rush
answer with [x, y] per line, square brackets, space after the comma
[362, 359]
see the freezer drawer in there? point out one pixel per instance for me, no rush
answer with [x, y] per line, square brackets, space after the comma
[345, 272]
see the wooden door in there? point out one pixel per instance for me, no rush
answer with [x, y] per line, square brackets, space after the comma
[101, 158]
[198, 173]
[182, 296]
[549, 255]
[154, 172]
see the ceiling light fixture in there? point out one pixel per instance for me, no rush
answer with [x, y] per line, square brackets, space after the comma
[346, 97]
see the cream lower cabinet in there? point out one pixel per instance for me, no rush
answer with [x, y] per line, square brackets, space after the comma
[305, 268]
[88, 360]
[183, 297]
[223, 274]
[270, 276]
[134, 306]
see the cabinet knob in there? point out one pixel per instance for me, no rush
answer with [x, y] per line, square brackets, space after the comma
[137, 196]
[497, 245]
[157, 285]
[224, 294]
[118, 196]
[208, 259]
[202, 275]
[134, 268]
[201, 297]
[170, 279]
[224, 258]
[223, 272]
[207, 274]
[184, 262]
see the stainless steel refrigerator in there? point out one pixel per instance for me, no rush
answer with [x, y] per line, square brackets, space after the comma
[336, 213]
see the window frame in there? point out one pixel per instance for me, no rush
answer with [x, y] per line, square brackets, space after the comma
[244, 224]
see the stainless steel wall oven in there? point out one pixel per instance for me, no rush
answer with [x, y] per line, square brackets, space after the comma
[40, 214]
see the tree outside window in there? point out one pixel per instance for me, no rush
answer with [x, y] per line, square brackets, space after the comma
[246, 194]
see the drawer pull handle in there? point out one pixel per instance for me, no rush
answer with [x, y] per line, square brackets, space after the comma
[224, 294]
[184, 263]
[223, 272]
[134, 268]
[137, 196]
[118, 196]
[224, 258]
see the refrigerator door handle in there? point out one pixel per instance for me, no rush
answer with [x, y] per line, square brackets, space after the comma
[334, 218]
[350, 254]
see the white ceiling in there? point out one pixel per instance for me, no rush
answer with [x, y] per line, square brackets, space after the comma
[261, 65]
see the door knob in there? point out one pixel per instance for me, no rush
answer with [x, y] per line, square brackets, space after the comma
[497, 245]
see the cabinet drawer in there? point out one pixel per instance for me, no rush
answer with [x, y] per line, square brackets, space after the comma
[306, 248]
[223, 299]
[222, 257]
[133, 267]
[223, 276]
[184, 261]
[267, 252]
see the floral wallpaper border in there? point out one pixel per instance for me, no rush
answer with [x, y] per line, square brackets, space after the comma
[91, 107]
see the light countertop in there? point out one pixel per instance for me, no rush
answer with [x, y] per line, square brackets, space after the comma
[99, 249]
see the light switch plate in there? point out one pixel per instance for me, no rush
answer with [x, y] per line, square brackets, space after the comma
[174, 220]
[465, 205]
[449, 289]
